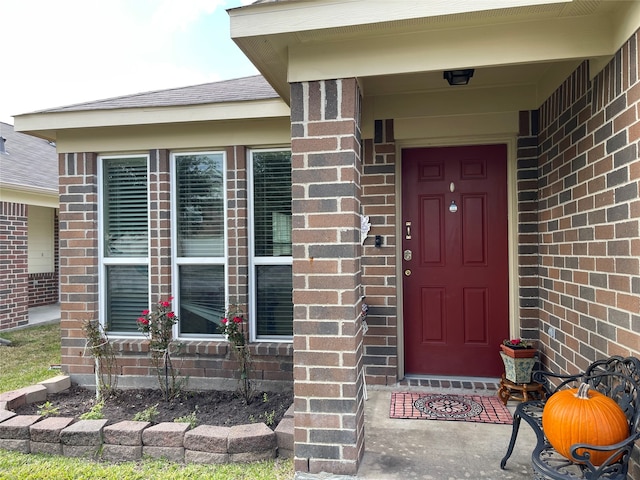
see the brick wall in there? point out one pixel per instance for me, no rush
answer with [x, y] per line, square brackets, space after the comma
[589, 206]
[327, 291]
[379, 263]
[14, 279]
[43, 289]
[202, 361]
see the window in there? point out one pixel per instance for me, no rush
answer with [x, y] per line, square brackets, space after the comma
[271, 279]
[199, 239]
[124, 241]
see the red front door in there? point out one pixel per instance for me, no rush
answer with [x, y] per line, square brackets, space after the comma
[455, 259]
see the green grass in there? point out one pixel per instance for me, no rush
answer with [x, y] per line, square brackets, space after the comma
[43, 467]
[26, 362]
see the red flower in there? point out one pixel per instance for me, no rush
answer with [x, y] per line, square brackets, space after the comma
[145, 312]
[224, 321]
[237, 319]
[165, 304]
[143, 321]
[171, 315]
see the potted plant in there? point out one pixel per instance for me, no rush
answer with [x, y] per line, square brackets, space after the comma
[518, 348]
[519, 358]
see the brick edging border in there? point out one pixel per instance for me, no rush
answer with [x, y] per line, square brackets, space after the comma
[131, 440]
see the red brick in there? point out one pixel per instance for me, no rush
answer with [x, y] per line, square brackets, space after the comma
[309, 145]
[316, 390]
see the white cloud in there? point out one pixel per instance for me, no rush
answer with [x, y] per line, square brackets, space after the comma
[70, 51]
[178, 14]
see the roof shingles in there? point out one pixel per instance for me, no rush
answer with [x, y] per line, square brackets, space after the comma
[27, 162]
[235, 90]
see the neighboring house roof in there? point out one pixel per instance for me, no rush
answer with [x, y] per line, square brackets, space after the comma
[27, 163]
[235, 90]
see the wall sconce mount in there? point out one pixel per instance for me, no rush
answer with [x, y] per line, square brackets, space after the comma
[458, 77]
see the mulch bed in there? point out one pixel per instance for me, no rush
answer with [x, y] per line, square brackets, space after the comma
[220, 408]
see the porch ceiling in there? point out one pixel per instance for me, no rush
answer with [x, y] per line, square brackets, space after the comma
[521, 50]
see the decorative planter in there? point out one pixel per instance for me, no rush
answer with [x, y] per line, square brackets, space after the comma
[518, 369]
[519, 352]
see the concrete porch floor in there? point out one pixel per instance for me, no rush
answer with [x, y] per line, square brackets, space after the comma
[44, 314]
[418, 449]
[436, 449]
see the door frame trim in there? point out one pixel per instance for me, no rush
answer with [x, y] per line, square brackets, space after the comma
[512, 223]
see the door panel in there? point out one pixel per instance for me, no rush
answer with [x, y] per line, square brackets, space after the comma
[474, 220]
[476, 320]
[456, 277]
[434, 326]
[432, 231]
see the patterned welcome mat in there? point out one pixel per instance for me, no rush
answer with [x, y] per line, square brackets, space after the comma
[463, 408]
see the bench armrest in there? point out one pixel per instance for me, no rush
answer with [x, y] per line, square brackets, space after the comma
[545, 378]
[548, 462]
[624, 447]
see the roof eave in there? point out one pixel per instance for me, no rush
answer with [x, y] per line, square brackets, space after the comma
[45, 197]
[47, 124]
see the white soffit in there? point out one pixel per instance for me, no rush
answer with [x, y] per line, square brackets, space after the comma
[466, 47]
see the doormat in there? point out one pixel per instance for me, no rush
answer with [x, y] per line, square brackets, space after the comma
[462, 408]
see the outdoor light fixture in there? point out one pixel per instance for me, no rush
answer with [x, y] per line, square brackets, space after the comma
[458, 77]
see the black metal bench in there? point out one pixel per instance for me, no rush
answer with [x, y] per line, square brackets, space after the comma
[616, 377]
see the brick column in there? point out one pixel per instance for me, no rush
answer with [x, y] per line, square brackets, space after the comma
[14, 274]
[379, 263]
[326, 170]
[160, 225]
[78, 256]
[237, 231]
[528, 253]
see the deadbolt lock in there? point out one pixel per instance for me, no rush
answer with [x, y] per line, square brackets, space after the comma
[407, 273]
[407, 255]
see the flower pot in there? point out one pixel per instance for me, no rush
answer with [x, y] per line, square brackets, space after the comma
[519, 352]
[518, 370]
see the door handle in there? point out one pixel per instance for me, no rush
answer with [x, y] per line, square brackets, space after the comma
[407, 233]
[407, 255]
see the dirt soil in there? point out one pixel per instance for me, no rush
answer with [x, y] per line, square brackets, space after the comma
[222, 408]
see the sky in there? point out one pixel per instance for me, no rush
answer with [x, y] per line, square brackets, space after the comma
[62, 52]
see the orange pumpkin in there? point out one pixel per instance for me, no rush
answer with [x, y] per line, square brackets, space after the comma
[580, 415]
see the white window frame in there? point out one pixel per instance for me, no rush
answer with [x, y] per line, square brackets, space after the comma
[176, 261]
[255, 261]
[105, 261]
